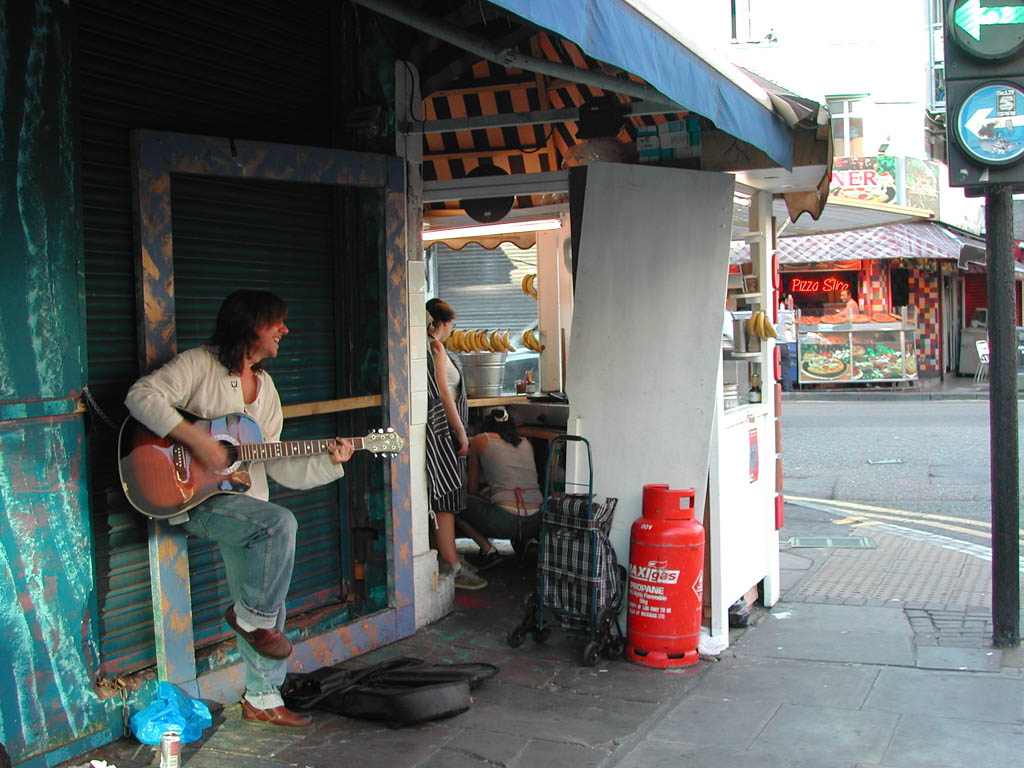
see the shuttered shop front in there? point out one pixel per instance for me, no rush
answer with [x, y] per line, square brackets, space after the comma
[261, 75]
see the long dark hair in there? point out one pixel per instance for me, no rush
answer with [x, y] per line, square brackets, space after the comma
[234, 333]
[499, 421]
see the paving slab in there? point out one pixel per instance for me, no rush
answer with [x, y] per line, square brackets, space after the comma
[592, 721]
[860, 634]
[701, 720]
[937, 742]
[829, 735]
[966, 696]
[655, 754]
[788, 560]
[776, 681]
[627, 681]
[346, 744]
[553, 754]
[472, 748]
[960, 659]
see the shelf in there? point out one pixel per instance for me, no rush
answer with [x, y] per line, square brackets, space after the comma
[748, 237]
[741, 355]
[743, 296]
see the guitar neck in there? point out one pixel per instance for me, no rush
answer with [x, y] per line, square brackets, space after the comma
[265, 451]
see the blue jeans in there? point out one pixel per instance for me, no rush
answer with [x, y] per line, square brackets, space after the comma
[496, 522]
[257, 542]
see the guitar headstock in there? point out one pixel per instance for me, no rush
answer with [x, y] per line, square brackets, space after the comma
[383, 442]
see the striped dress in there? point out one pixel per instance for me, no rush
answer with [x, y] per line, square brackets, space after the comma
[446, 471]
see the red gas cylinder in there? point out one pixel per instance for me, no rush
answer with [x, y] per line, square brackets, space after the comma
[666, 580]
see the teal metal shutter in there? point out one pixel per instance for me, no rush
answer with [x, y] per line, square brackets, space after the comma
[278, 237]
[216, 70]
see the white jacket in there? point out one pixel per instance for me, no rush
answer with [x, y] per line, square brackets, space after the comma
[196, 381]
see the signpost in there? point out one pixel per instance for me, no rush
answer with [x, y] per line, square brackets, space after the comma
[984, 62]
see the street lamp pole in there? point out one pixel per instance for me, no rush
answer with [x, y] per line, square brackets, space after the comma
[1002, 342]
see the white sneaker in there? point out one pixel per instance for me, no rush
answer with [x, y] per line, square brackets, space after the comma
[466, 579]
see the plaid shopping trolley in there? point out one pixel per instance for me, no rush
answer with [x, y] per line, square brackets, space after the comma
[580, 585]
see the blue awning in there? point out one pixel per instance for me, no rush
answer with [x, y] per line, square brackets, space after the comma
[618, 34]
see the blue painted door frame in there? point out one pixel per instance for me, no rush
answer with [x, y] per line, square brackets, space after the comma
[155, 157]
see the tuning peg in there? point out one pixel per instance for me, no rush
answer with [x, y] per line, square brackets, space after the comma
[391, 429]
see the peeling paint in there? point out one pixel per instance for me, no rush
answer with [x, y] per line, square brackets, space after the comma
[49, 582]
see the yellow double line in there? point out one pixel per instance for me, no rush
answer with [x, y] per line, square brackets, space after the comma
[865, 514]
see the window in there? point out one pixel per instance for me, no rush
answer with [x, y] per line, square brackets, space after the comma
[847, 125]
[752, 22]
[937, 94]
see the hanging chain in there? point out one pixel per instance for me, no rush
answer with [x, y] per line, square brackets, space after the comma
[95, 409]
[119, 686]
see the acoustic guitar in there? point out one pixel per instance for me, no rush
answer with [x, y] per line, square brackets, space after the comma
[161, 480]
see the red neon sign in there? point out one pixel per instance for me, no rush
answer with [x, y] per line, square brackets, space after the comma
[802, 285]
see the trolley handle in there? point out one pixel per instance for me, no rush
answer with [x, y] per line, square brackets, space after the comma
[552, 460]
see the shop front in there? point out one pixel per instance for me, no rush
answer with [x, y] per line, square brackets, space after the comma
[169, 174]
[869, 305]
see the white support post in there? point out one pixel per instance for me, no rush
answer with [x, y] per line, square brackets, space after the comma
[433, 598]
[762, 249]
[553, 286]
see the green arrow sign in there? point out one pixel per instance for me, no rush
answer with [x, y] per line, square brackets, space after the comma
[971, 17]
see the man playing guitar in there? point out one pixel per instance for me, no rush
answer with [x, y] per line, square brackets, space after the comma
[256, 537]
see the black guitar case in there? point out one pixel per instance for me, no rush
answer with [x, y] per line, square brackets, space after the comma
[403, 691]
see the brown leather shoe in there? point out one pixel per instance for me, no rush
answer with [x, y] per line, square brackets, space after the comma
[266, 642]
[275, 716]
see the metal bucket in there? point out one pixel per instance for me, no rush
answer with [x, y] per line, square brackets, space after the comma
[483, 373]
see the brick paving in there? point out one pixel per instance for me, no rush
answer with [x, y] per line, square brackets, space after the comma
[943, 585]
[913, 572]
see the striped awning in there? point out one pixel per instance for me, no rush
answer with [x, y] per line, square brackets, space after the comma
[621, 33]
[915, 240]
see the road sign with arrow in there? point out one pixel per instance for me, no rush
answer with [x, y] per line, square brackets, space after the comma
[984, 65]
[989, 124]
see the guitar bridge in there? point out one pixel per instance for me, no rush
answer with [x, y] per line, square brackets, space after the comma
[179, 458]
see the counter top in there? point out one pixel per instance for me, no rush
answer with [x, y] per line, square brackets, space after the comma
[482, 402]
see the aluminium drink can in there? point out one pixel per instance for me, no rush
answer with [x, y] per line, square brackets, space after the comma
[170, 750]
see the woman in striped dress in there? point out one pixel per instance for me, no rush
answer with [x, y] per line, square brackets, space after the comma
[447, 444]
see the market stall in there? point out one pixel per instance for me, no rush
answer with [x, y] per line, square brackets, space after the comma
[876, 348]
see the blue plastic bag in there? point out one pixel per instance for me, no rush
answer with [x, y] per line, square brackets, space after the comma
[172, 710]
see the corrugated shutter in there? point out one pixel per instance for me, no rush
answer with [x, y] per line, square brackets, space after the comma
[178, 66]
[484, 286]
[277, 237]
[975, 295]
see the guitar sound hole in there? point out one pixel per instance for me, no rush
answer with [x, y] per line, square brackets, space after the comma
[232, 452]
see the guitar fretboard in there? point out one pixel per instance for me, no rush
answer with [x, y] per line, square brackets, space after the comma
[263, 451]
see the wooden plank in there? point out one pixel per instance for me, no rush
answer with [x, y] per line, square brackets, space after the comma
[298, 410]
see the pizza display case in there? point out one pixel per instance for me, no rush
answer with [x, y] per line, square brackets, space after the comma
[876, 348]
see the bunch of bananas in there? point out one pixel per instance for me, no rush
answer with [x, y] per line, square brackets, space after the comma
[530, 341]
[529, 284]
[463, 340]
[759, 325]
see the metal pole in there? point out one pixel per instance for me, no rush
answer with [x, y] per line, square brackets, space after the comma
[1002, 345]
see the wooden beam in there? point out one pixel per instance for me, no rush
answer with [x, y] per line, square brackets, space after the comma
[331, 406]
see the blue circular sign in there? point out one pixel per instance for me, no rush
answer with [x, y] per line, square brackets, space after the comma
[989, 124]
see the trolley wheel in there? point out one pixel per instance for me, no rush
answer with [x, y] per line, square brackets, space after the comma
[515, 637]
[616, 647]
[541, 635]
[592, 653]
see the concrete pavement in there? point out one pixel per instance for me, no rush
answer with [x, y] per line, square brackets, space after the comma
[876, 656]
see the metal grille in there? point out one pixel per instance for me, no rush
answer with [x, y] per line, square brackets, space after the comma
[172, 66]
